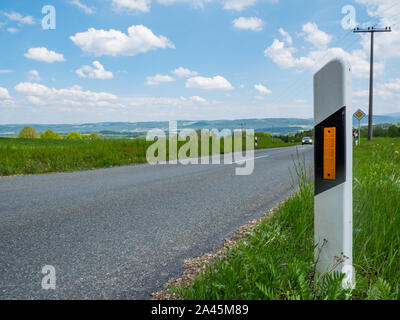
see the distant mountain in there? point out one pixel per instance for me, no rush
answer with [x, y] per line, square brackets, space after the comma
[395, 114]
[133, 129]
[380, 119]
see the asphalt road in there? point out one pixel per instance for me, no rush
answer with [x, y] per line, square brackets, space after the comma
[121, 233]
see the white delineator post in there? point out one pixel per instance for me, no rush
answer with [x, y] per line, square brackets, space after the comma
[333, 156]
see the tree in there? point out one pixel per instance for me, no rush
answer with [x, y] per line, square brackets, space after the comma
[48, 134]
[379, 131]
[394, 131]
[74, 136]
[94, 136]
[28, 133]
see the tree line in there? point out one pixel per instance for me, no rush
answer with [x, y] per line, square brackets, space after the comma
[31, 133]
[383, 130]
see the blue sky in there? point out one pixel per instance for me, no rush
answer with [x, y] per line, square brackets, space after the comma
[145, 60]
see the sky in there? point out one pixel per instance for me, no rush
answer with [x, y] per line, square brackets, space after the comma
[157, 60]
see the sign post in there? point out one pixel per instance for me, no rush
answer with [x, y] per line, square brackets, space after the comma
[333, 172]
[359, 115]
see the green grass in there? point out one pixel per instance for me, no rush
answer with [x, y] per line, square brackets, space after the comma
[275, 260]
[31, 156]
[265, 140]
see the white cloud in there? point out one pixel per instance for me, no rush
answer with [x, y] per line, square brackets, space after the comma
[286, 36]
[75, 101]
[315, 36]
[12, 30]
[198, 99]
[385, 91]
[32, 88]
[6, 71]
[139, 5]
[283, 56]
[360, 94]
[113, 42]
[83, 7]
[157, 79]
[183, 72]
[215, 83]
[252, 23]
[33, 75]
[262, 89]
[393, 85]
[238, 5]
[4, 93]
[387, 97]
[387, 12]
[152, 101]
[259, 98]
[44, 55]
[34, 100]
[15, 16]
[72, 97]
[195, 3]
[144, 5]
[95, 72]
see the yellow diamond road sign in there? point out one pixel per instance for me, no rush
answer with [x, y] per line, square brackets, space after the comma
[359, 114]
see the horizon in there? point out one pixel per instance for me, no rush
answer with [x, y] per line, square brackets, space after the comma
[391, 115]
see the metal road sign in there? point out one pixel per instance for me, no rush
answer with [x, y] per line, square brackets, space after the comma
[333, 215]
[359, 115]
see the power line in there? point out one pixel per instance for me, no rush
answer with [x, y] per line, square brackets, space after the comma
[381, 16]
[372, 31]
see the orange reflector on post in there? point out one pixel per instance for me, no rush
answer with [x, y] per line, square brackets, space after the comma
[329, 164]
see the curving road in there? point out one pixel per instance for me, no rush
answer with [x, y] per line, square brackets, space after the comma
[121, 233]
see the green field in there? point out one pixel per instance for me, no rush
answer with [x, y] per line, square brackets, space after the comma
[31, 156]
[275, 259]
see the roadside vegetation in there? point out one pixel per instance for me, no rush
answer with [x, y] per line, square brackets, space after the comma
[383, 131]
[31, 153]
[275, 260]
[30, 156]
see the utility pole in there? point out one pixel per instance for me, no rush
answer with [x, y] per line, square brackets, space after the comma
[371, 30]
[242, 125]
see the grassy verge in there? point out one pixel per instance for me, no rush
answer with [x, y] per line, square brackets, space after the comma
[31, 156]
[275, 259]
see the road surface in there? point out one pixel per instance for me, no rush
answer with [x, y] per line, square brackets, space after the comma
[121, 233]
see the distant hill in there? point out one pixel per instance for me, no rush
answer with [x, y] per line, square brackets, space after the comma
[395, 114]
[380, 119]
[133, 129]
